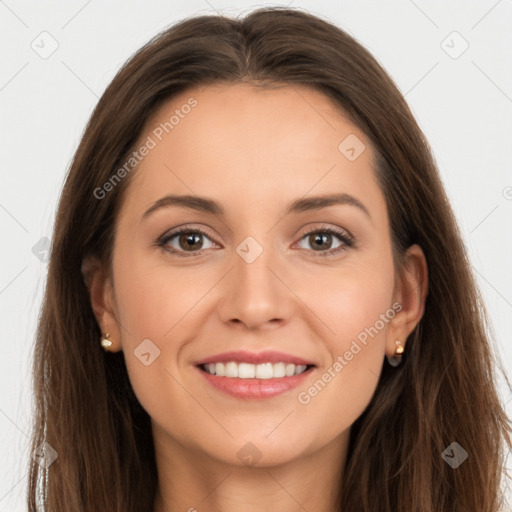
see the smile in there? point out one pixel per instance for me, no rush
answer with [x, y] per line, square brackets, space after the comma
[254, 381]
[262, 371]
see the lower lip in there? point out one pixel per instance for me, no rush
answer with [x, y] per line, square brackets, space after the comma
[255, 388]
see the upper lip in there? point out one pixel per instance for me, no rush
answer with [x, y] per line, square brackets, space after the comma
[267, 356]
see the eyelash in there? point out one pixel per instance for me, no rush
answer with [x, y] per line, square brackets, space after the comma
[348, 241]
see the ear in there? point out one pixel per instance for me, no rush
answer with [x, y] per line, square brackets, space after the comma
[411, 293]
[101, 293]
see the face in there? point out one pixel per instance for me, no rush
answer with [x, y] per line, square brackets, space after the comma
[267, 270]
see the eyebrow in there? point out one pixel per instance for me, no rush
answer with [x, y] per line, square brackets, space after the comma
[207, 205]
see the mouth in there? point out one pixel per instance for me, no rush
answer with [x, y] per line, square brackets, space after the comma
[243, 380]
[263, 371]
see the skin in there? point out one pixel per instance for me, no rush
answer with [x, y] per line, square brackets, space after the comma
[254, 151]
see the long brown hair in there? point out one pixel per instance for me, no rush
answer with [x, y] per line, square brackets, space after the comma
[444, 391]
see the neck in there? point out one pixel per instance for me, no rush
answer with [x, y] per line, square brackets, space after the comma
[193, 481]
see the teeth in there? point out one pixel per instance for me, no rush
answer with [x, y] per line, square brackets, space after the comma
[265, 371]
[279, 370]
[300, 369]
[290, 370]
[231, 370]
[220, 370]
[251, 371]
[245, 371]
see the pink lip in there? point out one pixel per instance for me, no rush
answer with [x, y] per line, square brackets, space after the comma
[267, 356]
[254, 388]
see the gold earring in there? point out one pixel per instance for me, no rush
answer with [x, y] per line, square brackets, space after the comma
[396, 358]
[106, 343]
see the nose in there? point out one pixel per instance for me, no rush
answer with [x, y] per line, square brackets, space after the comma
[255, 292]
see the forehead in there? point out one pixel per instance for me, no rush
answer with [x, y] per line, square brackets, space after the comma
[252, 143]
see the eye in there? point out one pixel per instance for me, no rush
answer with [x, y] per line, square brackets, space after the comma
[188, 241]
[319, 237]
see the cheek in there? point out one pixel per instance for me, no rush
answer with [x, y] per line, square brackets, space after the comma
[354, 303]
[157, 306]
[154, 299]
[357, 309]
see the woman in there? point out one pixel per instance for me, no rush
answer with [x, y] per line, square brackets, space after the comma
[245, 366]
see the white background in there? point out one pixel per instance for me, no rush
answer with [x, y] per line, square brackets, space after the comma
[463, 105]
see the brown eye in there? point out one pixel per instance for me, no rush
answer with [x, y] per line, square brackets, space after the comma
[185, 240]
[189, 241]
[320, 241]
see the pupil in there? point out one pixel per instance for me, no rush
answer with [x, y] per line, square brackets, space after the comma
[188, 239]
[318, 238]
